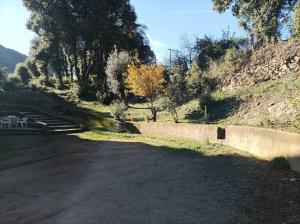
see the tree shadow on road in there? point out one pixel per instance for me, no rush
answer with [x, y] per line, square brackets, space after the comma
[174, 184]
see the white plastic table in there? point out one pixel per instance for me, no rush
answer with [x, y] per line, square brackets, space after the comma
[13, 121]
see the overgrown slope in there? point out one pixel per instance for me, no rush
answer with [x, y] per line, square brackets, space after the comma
[274, 103]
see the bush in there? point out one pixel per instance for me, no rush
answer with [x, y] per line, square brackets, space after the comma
[37, 83]
[232, 61]
[53, 81]
[22, 71]
[2, 74]
[66, 80]
[9, 86]
[280, 163]
[175, 95]
[11, 83]
[117, 110]
[104, 98]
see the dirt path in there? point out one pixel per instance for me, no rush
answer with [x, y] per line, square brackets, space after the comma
[117, 182]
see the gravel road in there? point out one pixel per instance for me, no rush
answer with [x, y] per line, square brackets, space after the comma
[122, 182]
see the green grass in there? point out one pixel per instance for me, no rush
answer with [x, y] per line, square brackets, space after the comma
[285, 90]
[288, 88]
[163, 142]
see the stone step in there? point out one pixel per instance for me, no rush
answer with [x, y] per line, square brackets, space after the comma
[50, 120]
[54, 124]
[63, 126]
[57, 123]
[39, 116]
[70, 130]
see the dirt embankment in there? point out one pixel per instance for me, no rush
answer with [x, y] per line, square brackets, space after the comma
[268, 63]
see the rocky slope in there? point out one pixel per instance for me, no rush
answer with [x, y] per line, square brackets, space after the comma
[265, 92]
[269, 63]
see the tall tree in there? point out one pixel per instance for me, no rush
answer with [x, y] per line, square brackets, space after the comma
[81, 34]
[116, 69]
[261, 19]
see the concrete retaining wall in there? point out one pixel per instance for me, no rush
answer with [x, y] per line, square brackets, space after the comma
[266, 144]
[191, 131]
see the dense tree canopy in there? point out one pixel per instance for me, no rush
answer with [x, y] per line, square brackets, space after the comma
[262, 20]
[209, 49]
[76, 37]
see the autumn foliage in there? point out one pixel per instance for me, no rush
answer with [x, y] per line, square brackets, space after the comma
[146, 81]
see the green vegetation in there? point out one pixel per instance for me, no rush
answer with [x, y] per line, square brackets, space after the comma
[87, 67]
[261, 29]
[117, 110]
[76, 44]
[296, 21]
[164, 142]
[280, 163]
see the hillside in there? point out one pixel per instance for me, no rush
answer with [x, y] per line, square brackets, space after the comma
[9, 58]
[265, 92]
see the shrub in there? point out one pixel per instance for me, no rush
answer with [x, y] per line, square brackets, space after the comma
[104, 98]
[117, 110]
[175, 94]
[66, 80]
[10, 83]
[117, 64]
[53, 81]
[86, 92]
[22, 71]
[37, 82]
[2, 74]
[280, 163]
[232, 61]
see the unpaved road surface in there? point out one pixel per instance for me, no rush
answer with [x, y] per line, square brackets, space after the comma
[82, 182]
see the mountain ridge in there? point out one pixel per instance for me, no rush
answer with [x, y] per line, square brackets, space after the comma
[9, 58]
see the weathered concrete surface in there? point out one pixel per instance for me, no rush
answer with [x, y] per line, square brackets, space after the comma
[191, 131]
[263, 143]
[117, 182]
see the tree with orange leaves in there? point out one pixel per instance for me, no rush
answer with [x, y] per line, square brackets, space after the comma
[146, 81]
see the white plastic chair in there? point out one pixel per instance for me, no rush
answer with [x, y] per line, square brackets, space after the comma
[4, 123]
[23, 122]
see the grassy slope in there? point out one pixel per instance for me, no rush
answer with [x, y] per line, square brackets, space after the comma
[272, 104]
[157, 140]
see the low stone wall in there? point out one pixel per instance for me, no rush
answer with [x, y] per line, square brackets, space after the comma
[266, 144]
[191, 131]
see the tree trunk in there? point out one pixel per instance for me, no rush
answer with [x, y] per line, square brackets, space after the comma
[175, 116]
[154, 114]
[60, 80]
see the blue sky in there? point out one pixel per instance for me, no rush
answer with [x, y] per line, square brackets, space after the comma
[167, 22]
